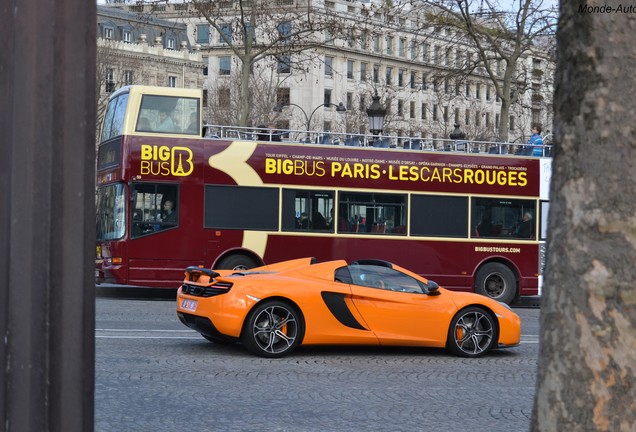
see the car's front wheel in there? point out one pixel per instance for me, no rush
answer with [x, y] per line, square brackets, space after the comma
[273, 329]
[472, 333]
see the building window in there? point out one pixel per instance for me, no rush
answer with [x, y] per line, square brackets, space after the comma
[487, 120]
[413, 80]
[445, 114]
[203, 34]
[328, 66]
[364, 43]
[376, 44]
[170, 43]
[477, 90]
[205, 97]
[363, 103]
[456, 115]
[107, 32]
[425, 53]
[477, 118]
[284, 64]
[389, 45]
[424, 108]
[376, 73]
[349, 69]
[435, 114]
[127, 36]
[402, 47]
[436, 55]
[487, 92]
[225, 65]
[283, 96]
[349, 99]
[205, 65]
[446, 86]
[467, 89]
[363, 72]
[424, 85]
[128, 77]
[110, 81]
[327, 97]
[400, 108]
[172, 81]
[284, 30]
[224, 97]
[225, 36]
[412, 110]
[497, 121]
[413, 50]
[447, 56]
[512, 123]
[389, 73]
[467, 118]
[401, 73]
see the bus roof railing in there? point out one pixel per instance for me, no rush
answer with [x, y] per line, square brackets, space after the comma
[389, 141]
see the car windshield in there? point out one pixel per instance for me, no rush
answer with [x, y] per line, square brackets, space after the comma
[374, 276]
[111, 212]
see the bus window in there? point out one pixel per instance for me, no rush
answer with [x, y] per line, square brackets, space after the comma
[439, 216]
[237, 207]
[372, 213]
[154, 208]
[111, 212]
[495, 217]
[545, 210]
[307, 210]
[114, 117]
[169, 114]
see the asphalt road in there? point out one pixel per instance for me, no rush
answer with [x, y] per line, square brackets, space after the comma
[154, 374]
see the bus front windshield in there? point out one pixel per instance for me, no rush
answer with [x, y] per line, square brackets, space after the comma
[111, 212]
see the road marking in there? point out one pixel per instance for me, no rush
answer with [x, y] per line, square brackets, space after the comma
[147, 334]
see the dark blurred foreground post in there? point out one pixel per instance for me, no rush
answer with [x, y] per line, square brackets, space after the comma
[587, 362]
[47, 129]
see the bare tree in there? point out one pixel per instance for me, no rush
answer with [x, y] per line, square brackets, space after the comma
[500, 38]
[114, 68]
[266, 87]
[587, 377]
[255, 30]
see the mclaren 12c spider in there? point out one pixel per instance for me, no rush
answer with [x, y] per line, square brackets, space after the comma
[273, 309]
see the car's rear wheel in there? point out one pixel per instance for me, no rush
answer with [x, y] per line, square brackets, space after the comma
[472, 333]
[497, 281]
[273, 329]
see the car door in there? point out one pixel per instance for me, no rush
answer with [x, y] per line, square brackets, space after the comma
[395, 307]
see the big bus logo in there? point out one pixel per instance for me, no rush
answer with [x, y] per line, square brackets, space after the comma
[166, 161]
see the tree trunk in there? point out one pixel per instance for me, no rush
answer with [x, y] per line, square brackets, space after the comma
[587, 364]
[244, 106]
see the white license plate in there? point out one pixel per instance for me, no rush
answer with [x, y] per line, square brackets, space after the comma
[188, 304]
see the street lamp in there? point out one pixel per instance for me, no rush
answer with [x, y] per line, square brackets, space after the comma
[376, 113]
[340, 108]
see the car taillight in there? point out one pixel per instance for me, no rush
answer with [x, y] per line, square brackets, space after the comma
[206, 290]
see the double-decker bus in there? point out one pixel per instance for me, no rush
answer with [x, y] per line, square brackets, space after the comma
[168, 199]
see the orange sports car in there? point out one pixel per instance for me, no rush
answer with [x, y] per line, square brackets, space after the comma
[273, 309]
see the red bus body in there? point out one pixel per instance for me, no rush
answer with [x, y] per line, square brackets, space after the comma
[193, 165]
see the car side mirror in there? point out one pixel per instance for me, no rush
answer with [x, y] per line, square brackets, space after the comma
[432, 288]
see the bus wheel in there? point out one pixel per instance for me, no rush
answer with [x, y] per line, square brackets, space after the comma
[236, 262]
[497, 281]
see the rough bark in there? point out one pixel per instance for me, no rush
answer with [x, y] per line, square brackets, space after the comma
[587, 363]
